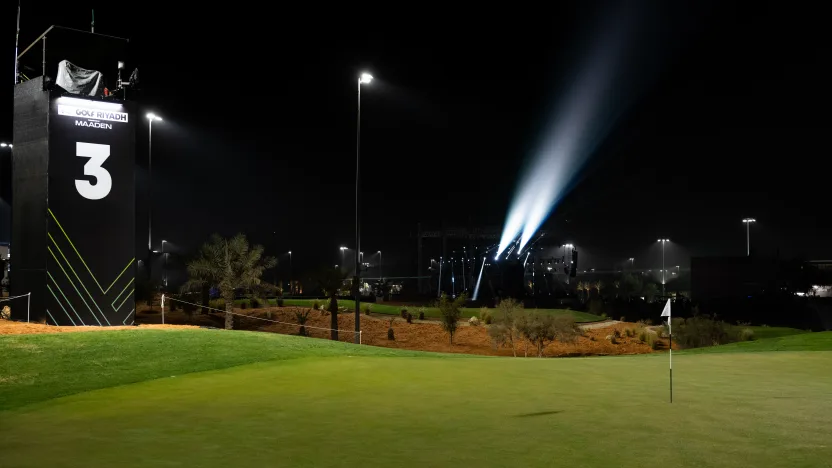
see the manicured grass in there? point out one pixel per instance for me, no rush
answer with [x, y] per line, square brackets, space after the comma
[40, 367]
[433, 312]
[775, 332]
[346, 406]
[821, 341]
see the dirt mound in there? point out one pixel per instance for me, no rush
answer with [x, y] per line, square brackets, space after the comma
[21, 328]
[429, 336]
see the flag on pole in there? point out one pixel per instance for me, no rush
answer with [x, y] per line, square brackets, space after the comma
[666, 313]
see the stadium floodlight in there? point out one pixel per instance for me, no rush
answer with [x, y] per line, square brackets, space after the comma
[365, 78]
[748, 222]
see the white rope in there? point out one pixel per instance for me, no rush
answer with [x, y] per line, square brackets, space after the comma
[15, 297]
[258, 318]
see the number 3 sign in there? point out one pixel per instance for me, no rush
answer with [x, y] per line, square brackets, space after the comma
[103, 181]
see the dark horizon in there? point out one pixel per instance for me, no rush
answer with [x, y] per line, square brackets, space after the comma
[259, 129]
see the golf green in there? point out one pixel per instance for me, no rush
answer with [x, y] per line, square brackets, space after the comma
[348, 407]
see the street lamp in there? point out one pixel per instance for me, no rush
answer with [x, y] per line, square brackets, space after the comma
[364, 78]
[748, 222]
[380, 267]
[165, 267]
[343, 249]
[663, 241]
[291, 284]
[151, 117]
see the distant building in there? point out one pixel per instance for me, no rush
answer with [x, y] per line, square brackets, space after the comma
[731, 277]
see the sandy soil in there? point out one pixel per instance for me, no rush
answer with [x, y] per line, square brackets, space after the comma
[420, 335]
[20, 328]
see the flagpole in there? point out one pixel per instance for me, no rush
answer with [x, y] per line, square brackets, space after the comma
[670, 336]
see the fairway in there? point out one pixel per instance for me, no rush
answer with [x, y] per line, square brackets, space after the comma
[361, 406]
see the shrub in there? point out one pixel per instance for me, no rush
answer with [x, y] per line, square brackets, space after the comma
[656, 344]
[746, 334]
[390, 335]
[243, 304]
[701, 331]
[217, 304]
[499, 335]
[616, 333]
[630, 332]
[316, 305]
[404, 313]
[254, 302]
[421, 315]
[280, 302]
[302, 317]
[366, 309]
[604, 316]
[409, 317]
[622, 319]
[6, 313]
[269, 314]
[473, 321]
[485, 315]
[449, 311]
[489, 319]
[611, 339]
[642, 336]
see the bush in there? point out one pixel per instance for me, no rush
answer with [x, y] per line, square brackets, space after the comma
[702, 330]
[656, 344]
[630, 332]
[280, 302]
[217, 304]
[404, 313]
[473, 321]
[302, 317]
[616, 333]
[254, 302]
[421, 315]
[622, 319]
[488, 319]
[243, 304]
[6, 313]
[316, 305]
[269, 314]
[449, 311]
[611, 339]
[746, 334]
[390, 335]
[366, 309]
[409, 317]
[642, 336]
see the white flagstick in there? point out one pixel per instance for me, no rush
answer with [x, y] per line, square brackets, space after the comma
[666, 313]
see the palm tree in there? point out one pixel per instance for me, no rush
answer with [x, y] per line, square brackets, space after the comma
[331, 281]
[228, 264]
[598, 285]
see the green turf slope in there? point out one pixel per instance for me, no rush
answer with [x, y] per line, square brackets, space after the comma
[801, 342]
[40, 367]
[420, 410]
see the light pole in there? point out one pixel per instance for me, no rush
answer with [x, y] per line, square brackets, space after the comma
[165, 267]
[342, 255]
[663, 241]
[569, 256]
[365, 78]
[748, 222]
[291, 284]
[151, 117]
[632, 263]
[380, 267]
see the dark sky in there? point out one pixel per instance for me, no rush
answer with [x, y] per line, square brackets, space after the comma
[720, 112]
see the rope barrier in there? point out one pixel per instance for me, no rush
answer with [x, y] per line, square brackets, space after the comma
[28, 297]
[4, 299]
[258, 318]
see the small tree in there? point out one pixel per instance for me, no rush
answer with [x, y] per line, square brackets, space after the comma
[302, 317]
[330, 281]
[229, 264]
[508, 311]
[449, 310]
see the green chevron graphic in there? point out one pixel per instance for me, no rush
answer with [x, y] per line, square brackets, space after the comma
[79, 281]
[103, 291]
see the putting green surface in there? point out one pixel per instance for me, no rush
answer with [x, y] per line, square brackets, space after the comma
[348, 406]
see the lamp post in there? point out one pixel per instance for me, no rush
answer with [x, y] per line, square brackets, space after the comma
[151, 117]
[663, 241]
[365, 78]
[632, 263]
[343, 249]
[380, 267]
[748, 222]
[165, 267]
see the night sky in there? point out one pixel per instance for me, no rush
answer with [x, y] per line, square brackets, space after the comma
[720, 111]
